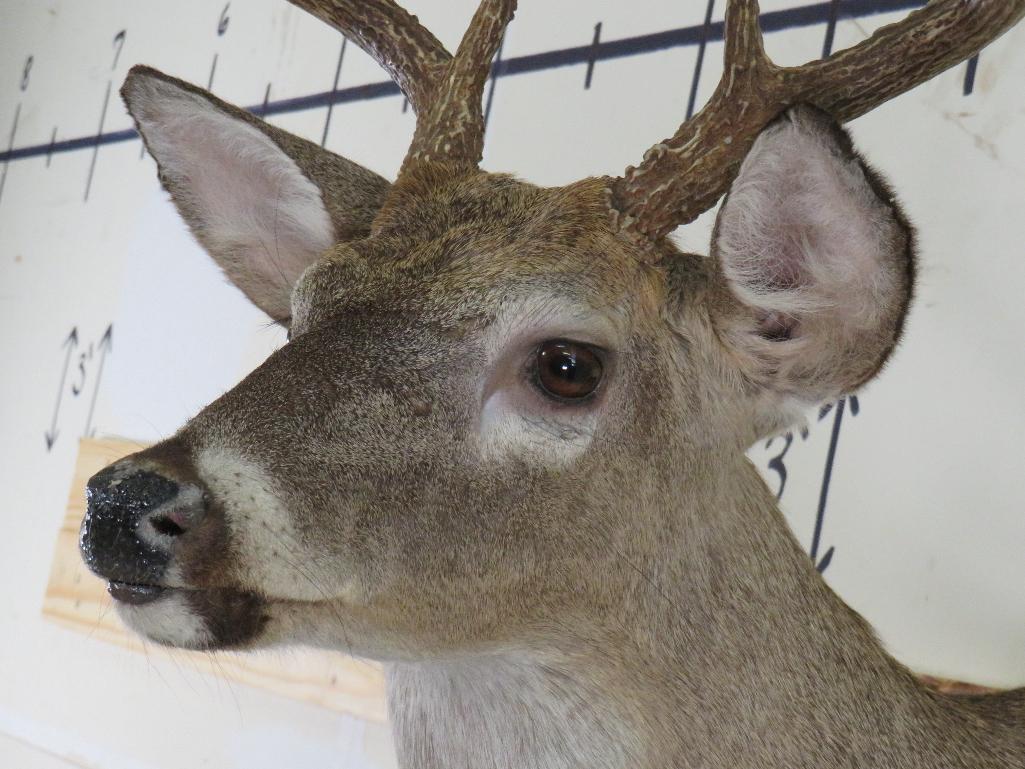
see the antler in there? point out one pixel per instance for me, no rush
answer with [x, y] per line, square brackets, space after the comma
[394, 38]
[454, 127]
[685, 175]
[445, 91]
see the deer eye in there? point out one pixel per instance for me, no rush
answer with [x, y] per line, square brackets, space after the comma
[567, 370]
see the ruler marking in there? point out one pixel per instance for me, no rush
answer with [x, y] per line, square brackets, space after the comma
[774, 21]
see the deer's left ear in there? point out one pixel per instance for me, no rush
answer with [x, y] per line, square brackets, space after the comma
[819, 262]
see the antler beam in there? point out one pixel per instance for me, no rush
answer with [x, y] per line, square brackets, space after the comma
[685, 175]
[414, 58]
[901, 56]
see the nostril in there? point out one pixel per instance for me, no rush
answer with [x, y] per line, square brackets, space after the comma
[180, 515]
[165, 524]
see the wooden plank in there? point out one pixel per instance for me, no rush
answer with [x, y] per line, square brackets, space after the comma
[78, 600]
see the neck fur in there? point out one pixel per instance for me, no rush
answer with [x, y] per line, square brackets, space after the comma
[729, 652]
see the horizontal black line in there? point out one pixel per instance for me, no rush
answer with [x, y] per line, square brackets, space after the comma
[774, 21]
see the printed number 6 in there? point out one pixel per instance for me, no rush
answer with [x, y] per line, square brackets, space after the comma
[222, 23]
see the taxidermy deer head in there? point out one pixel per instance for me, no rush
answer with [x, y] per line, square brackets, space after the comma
[503, 450]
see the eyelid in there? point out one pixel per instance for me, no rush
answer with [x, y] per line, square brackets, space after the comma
[603, 352]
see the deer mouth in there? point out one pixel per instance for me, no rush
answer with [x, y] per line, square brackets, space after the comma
[191, 618]
[134, 594]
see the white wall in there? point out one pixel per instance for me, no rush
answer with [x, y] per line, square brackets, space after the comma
[925, 509]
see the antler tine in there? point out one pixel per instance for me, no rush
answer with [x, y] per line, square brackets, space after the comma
[453, 130]
[414, 58]
[445, 91]
[685, 175]
[745, 50]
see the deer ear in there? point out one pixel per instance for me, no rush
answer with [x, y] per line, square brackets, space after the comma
[819, 262]
[264, 203]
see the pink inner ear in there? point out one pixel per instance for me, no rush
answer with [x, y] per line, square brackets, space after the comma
[253, 198]
[783, 268]
[812, 246]
[246, 192]
[247, 201]
[803, 232]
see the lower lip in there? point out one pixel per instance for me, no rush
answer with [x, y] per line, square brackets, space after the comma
[136, 595]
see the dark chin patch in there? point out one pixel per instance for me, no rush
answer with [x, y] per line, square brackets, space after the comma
[232, 618]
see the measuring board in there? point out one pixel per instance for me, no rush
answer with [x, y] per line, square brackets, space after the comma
[909, 497]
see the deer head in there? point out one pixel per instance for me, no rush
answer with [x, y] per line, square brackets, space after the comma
[512, 417]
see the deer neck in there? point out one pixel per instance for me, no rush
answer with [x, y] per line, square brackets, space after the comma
[729, 651]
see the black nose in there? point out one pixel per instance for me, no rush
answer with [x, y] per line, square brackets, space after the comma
[134, 515]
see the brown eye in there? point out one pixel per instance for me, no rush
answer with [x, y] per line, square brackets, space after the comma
[567, 370]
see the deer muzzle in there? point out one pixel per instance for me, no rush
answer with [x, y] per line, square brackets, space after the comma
[154, 531]
[140, 513]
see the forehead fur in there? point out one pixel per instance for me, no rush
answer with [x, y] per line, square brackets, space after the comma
[444, 237]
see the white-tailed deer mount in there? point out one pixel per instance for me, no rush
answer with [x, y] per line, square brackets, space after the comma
[503, 450]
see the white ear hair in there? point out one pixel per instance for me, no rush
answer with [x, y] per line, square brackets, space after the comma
[246, 200]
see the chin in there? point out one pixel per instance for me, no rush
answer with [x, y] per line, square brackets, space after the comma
[207, 619]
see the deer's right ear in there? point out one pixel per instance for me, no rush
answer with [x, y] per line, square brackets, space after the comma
[817, 262]
[264, 203]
